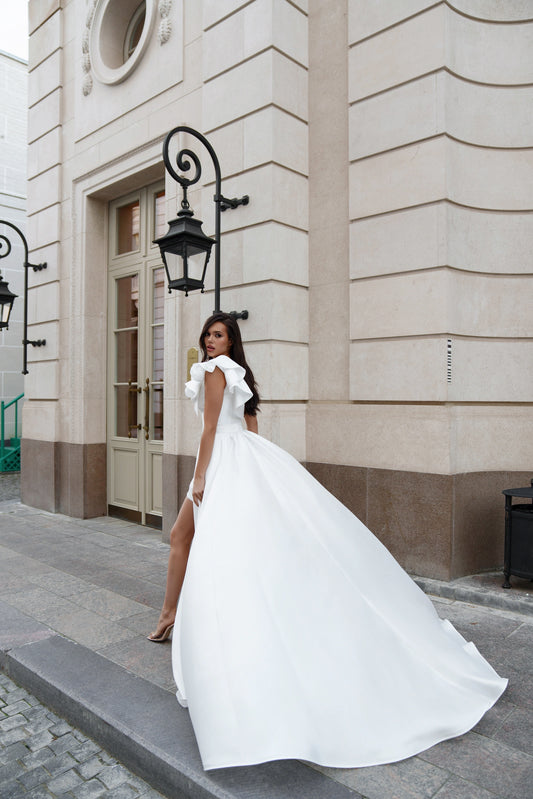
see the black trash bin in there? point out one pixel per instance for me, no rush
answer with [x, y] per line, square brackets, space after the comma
[518, 554]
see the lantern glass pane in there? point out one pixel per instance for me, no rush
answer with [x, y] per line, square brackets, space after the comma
[174, 264]
[195, 261]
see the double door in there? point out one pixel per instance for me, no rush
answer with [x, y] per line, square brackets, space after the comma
[135, 358]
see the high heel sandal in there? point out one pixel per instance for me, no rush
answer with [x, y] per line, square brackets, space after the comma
[159, 639]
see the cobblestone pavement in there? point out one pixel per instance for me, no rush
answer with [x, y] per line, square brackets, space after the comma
[41, 756]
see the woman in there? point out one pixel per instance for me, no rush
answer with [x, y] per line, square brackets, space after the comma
[285, 645]
[214, 341]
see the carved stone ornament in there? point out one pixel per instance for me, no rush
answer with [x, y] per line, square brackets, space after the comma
[85, 41]
[87, 83]
[164, 30]
[165, 25]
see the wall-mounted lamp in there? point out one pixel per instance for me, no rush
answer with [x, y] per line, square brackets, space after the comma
[185, 249]
[7, 297]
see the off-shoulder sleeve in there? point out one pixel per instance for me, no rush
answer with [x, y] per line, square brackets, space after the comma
[235, 382]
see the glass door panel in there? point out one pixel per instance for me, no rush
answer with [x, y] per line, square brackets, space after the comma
[160, 215]
[126, 359]
[157, 353]
[127, 350]
[126, 411]
[128, 228]
[127, 301]
[157, 418]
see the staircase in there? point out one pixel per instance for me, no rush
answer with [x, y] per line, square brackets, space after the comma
[10, 454]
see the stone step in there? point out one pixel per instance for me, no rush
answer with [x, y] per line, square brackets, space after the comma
[143, 726]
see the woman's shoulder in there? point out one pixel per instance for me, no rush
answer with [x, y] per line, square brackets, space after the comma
[233, 373]
[224, 363]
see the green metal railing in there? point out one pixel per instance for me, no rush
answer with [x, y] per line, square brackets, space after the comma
[10, 455]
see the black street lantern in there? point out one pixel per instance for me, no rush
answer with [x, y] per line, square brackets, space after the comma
[7, 297]
[185, 244]
[185, 249]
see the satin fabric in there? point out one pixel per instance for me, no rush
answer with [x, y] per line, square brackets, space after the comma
[297, 633]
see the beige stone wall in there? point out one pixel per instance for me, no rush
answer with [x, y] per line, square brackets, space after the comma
[86, 149]
[384, 257]
[441, 232]
[44, 223]
[410, 229]
[255, 114]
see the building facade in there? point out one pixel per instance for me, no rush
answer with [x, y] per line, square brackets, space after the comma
[13, 157]
[384, 257]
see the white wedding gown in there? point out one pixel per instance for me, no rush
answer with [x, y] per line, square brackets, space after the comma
[297, 633]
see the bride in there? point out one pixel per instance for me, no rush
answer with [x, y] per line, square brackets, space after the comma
[284, 644]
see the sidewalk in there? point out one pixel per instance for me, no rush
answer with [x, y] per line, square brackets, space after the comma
[78, 597]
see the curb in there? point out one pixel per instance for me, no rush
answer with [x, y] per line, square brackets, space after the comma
[476, 595]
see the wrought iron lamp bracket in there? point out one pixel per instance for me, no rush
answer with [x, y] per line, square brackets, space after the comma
[36, 267]
[6, 243]
[221, 203]
[226, 204]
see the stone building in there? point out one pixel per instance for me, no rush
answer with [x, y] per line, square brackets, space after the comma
[384, 257]
[13, 155]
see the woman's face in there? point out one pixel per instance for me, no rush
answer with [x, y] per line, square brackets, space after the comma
[217, 341]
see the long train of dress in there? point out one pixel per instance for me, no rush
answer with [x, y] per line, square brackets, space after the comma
[297, 634]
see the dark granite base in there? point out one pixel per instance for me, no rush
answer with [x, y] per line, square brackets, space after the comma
[64, 478]
[435, 525]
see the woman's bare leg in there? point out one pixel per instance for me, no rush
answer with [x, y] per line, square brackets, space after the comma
[181, 537]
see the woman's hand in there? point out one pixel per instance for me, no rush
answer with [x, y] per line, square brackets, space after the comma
[198, 488]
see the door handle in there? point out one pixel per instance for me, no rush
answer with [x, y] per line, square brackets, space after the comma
[132, 425]
[146, 426]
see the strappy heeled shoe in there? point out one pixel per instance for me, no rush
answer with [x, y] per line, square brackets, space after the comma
[159, 639]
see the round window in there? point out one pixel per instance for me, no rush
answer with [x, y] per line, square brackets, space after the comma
[134, 31]
[119, 36]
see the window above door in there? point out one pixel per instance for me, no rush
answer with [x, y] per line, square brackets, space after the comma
[135, 221]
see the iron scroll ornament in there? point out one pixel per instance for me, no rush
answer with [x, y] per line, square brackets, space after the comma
[184, 165]
[5, 242]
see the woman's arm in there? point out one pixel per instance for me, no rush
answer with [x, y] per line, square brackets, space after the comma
[251, 423]
[214, 384]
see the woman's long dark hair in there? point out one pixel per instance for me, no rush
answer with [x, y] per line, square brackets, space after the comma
[236, 354]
